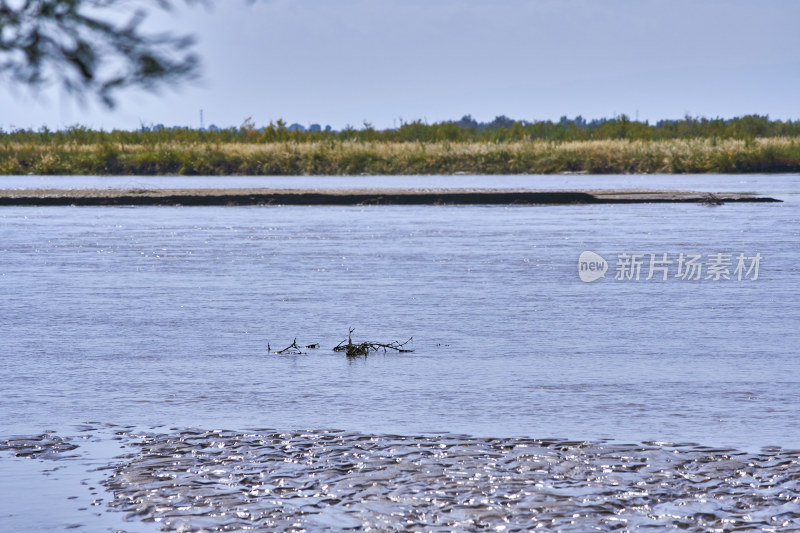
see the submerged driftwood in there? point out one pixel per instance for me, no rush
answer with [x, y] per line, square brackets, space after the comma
[350, 348]
[354, 350]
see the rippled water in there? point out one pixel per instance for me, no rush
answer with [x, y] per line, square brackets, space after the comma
[160, 318]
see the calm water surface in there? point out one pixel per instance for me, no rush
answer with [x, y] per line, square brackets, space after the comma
[160, 317]
[786, 184]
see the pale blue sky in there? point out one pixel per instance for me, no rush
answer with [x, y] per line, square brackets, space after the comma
[342, 62]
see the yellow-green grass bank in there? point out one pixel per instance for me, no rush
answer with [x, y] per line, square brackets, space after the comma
[337, 157]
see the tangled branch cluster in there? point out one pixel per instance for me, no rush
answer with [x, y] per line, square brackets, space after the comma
[348, 347]
[364, 348]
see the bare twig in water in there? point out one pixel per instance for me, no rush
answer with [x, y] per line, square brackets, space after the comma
[364, 348]
[292, 349]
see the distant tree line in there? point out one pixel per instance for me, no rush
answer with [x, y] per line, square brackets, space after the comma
[500, 130]
[505, 129]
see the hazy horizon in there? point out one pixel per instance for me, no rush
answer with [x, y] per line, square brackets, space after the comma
[383, 61]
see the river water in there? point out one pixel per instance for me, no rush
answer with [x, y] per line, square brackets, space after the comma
[128, 326]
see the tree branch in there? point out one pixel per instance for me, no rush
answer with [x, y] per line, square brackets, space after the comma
[42, 41]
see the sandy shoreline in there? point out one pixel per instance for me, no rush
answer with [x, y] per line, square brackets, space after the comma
[370, 196]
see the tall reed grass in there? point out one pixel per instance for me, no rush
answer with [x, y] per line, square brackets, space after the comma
[336, 157]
